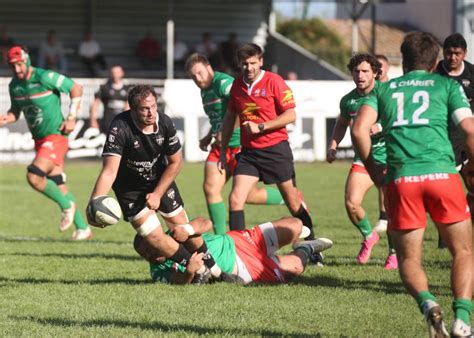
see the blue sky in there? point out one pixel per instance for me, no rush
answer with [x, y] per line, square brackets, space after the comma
[294, 9]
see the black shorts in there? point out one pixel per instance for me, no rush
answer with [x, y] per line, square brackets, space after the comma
[271, 165]
[133, 202]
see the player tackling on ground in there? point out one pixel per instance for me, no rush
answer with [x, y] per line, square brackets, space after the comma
[37, 93]
[215, 91]
[414, 110]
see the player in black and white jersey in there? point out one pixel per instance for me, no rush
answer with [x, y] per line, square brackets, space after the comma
[141, 159]
[113, 94]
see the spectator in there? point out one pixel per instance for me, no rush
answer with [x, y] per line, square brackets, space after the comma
[91, 54]
[149, 50]
[5, 43]
[292, 76]
[209, 49]
[51, 53]
[228, 52]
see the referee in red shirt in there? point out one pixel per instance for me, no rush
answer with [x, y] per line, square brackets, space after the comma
[264, 105]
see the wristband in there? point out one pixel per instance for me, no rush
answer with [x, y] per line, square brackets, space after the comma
[189, 229]
[380, 126]
[74, 108]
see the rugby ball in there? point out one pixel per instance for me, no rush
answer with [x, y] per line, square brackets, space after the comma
[104, 210]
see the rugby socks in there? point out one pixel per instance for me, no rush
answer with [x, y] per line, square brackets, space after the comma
[78, 219]
[304, 216]
[364, 227]
[303, 252]
[209, 260]
[181, 256]
[273, 196]
[423, 297]
[383, 215]
[391, 247]
[218, 215]
[236, 220]
[52, 191]
[462, 310]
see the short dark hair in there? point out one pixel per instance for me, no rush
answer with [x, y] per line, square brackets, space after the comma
[138, 94]
[455, 40]
[357, 59]
[420, 51]
[195, 58]
[248, 50]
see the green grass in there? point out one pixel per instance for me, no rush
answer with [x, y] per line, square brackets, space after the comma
[51, 286]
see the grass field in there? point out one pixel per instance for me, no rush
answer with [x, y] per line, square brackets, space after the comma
[51, 286]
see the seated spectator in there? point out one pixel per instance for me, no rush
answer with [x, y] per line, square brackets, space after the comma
[292, 76]
[229, 52]
[51, 54]
[5, 43]
[181, 52]
[209, 49]
[149, 51]
[91, 54]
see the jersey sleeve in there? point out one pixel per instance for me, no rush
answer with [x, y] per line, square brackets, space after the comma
[284, 99]
[225, 86]
[371, 100]
[162, 272]
[171, 136]
[116, 139]
[13, 104]
[56, 81]
[100, 93]
[458, 104]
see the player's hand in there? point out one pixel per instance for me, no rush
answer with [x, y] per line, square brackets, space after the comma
[153, 201]
[3, 120]
[195, 262]
[331, 155]
[251, 127]
[375, 129]
[222, 164]
[377, 174]
[90, 219]
[180, 234]
[204, 142]
[68, 126]
[467, 173]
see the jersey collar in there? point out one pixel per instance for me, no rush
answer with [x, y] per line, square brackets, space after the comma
[250, 86]
[141, 130]
[457, 73]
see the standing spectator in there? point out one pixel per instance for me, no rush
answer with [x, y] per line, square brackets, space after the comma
[421, 177]
[113, 95]
[455, 67]
[90, 53]
[42, 111]
[264, 105]
[228, 52]
[51, 53]
[149, 51]
[6, 42]
[208, 48]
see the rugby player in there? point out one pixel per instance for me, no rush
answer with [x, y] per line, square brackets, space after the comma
[245, 256]
[365, 70]
[37, 93]
[414, 110]
[215, 90]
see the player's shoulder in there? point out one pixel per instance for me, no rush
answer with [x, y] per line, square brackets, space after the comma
[270, 76]
[220, 76]
[469, 68]
[164, 121]
[123, 120]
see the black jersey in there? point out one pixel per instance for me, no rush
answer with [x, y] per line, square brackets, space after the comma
[114, 101]
[143, 156]
[465, 79]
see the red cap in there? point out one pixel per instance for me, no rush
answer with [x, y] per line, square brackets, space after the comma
[17, 54]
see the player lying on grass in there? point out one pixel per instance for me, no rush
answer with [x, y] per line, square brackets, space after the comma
[244, 255]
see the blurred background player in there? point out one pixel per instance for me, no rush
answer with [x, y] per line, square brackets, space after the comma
[113, 95]
[414, 110]
[266, 154]
[365, 71]
[249, 256]
[36, 93]
[454, 66]
[215, 91]
[141, 160]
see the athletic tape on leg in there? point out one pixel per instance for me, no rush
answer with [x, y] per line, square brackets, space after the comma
[148, 226]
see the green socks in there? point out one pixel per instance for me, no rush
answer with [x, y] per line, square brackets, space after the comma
[423, 297]
[218, 214]
[78, 219]
[364, 227]
[462, 310]
[273, 196]
[52, 191]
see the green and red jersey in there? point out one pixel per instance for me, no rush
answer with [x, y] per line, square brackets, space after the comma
[39, 98]
[414, 110]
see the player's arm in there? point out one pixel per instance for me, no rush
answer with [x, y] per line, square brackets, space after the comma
[366, 118]
[74, 108]
[285, 118]
[205, 141]
[195, 227]
[93, 113]
[226, 132]
[175, 163]
[10, 117]
[338, 133]
[194, 264]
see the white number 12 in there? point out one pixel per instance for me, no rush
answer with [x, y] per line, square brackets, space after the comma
[420, 96]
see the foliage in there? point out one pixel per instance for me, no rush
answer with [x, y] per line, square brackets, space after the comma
[315, 36]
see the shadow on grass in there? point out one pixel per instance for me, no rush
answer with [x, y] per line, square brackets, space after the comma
[157, 326]
[15, 239]
[76, 256]
[4, 281]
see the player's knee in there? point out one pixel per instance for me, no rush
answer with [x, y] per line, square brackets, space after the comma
[149, 226]
[236, 199]
[211, 189]
[351, 205]
[34, 175]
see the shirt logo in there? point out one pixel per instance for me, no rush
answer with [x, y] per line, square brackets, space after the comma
[263, 93]
[465, 82]
[287, 98]
[249, 112]
[111, 138]
[160, 140]
[136, 145]
[257, 92]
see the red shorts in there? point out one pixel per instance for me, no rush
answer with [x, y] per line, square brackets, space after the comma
[358, 167]
[256, 251]
[215, 153]
[411, 197]
[53, 147]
